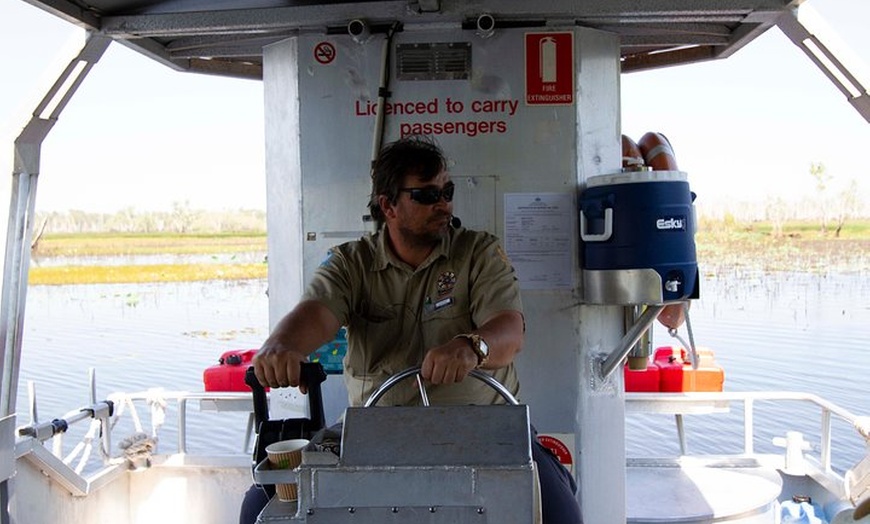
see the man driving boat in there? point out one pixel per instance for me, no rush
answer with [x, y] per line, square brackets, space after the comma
[421, 291]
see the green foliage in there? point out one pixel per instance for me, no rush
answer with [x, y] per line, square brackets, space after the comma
[56, 275]
[115, 244]
[800, 247]
[131, 244]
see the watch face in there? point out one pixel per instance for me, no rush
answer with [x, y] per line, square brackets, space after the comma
[484, 347]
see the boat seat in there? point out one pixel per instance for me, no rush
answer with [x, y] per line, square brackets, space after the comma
[695, 491]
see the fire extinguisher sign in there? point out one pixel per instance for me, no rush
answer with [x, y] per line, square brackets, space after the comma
[560, 445]
[550, 68]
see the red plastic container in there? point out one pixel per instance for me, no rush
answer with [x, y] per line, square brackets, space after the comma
[670, 362]
[676, 374]
[642, 381]
[229, 373]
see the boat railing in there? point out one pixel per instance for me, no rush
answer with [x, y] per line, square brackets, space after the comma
[679, 404]
[103, 418]
[137, 448]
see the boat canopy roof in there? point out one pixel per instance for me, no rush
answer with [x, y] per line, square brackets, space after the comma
[226, 37]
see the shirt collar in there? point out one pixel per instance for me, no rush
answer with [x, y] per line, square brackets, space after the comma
[384, 257]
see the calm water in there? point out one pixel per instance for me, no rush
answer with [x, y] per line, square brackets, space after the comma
[787, 331]
[138, 337]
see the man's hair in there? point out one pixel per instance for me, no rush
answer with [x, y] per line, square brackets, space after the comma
[413, 155]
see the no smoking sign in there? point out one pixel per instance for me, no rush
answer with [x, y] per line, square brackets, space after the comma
[324, 53]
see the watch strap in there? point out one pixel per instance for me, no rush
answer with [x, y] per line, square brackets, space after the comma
[475, 340]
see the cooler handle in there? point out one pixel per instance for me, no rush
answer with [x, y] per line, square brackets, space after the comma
[608, 227]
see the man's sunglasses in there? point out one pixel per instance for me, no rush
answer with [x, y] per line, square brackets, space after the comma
[430, 195]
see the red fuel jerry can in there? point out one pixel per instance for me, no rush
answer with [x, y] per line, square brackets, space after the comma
[676, 374]
[229, 373]
[642, 381]
[670, 362]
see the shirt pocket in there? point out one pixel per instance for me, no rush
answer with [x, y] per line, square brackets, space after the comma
[376, 332]
[444, 320]
[379, 314]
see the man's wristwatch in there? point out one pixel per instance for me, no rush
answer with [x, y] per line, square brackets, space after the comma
[478, 345]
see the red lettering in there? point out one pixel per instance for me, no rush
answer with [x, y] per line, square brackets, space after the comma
[469, 128]
[364, 108]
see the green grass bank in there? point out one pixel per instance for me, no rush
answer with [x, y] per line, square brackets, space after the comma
[721, 246]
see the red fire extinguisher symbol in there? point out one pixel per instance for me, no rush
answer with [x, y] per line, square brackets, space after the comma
[550, 68]
[548, 60]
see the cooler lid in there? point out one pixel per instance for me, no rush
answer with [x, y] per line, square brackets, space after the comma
[632, 177]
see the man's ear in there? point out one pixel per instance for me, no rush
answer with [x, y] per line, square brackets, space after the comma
[387, 208]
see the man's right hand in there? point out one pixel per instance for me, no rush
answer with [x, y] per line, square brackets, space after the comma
[308, 326]
[277, 366]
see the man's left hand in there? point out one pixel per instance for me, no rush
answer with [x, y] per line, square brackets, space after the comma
[449, 363]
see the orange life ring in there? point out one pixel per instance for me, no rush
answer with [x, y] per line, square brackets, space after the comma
[657, 152]
[632, 157]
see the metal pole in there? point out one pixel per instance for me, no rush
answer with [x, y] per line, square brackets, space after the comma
[22, 205]
[630, 338]
[22, 208]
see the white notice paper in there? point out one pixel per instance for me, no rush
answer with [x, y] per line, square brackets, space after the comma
[538, 229]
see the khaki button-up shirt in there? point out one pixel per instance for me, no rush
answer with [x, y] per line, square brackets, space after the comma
[394, 313]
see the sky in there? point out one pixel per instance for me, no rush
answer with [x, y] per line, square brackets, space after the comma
[747, 128]
[744, 129]
[210, 155]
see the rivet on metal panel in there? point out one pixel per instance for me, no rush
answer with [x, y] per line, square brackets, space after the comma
[394, 509]
[432, 509]
[481, 511]
[351, 509]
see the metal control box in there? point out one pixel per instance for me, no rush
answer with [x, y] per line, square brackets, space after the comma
[450, 464]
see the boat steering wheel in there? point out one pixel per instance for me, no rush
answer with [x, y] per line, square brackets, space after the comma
[402, 375]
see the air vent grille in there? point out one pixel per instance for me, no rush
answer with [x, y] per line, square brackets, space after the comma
[438, 61]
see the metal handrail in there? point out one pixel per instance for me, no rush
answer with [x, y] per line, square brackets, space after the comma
[675, 403]
[180, 398]
[664, 402]
[33, 436]
[678, 403]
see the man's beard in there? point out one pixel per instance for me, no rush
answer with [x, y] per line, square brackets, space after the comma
[427, 238]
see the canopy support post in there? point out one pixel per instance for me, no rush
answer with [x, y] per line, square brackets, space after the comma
[807, 30]
[19, 231]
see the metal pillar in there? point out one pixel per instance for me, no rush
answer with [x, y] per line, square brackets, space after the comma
[20, 229]
[21, 208]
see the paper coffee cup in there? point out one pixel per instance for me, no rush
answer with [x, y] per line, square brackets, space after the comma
[286, 454]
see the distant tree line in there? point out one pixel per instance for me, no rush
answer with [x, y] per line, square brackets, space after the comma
[180, 219]
[828, 207]
[831, 209]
